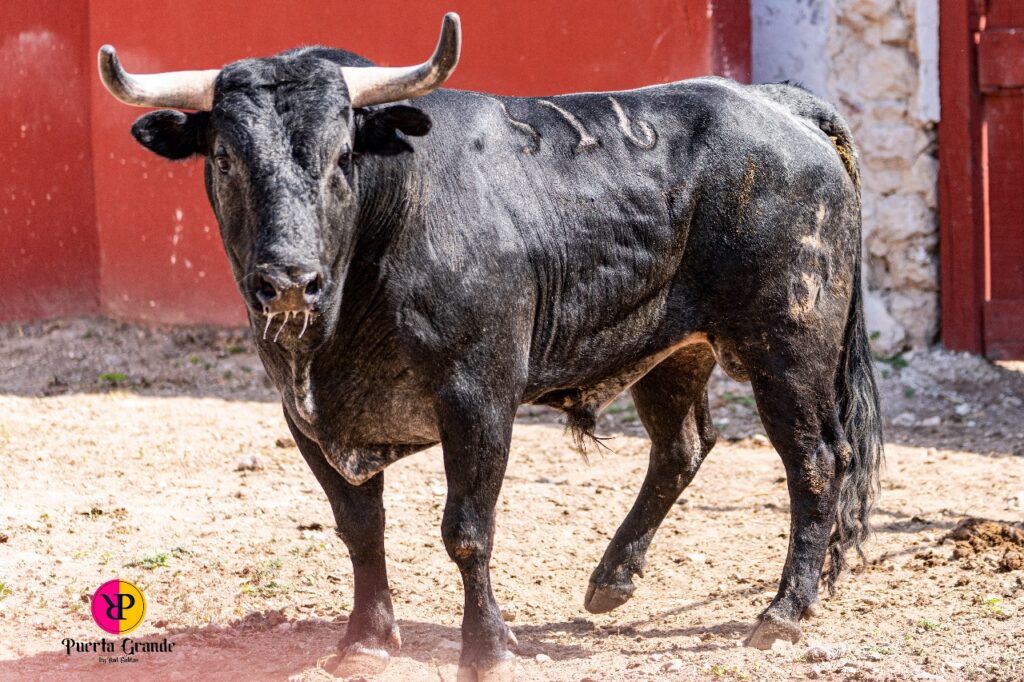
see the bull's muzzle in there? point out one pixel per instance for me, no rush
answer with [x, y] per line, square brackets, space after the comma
[292, 292]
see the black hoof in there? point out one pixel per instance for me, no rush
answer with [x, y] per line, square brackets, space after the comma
[769, 629]
[604, 598]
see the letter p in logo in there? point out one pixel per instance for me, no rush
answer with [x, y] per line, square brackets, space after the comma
[115, 610]
[118, 606]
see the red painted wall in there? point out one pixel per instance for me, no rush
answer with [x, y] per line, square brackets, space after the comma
[48, 244]
[160, 257]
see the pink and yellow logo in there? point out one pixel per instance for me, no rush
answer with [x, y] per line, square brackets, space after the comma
[118, 606]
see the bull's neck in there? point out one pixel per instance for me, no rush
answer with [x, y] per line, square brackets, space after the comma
[390, 191]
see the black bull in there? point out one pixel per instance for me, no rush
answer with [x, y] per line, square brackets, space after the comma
[556, 251]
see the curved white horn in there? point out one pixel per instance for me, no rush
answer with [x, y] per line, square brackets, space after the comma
[173, 89]
[369, 85]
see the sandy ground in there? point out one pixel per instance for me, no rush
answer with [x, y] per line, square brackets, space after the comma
[161, 457]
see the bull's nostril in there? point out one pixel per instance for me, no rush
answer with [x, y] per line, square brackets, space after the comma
[287, 289]
[314, 286]
[266, 291]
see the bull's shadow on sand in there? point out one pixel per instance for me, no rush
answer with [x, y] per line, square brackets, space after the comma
[268, 646]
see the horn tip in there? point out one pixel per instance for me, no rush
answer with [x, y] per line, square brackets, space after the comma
[107, 54]
[451, 38]
[107, 58]
[108, 64]
[112, 74]
[452, 23]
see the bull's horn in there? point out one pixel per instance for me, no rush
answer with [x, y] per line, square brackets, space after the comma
[369, 85]
[174, 89]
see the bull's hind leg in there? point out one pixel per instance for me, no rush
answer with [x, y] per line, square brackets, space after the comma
[359, 514]
[795, 391]
[671, 401]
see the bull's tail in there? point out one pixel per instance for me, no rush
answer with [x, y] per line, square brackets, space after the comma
[833, 125]
[860, 415]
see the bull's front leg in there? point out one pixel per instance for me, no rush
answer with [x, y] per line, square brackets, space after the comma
[359, 515]
[475, 434]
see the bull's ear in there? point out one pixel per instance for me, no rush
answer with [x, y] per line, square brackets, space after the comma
[376, 131]
[173, 134]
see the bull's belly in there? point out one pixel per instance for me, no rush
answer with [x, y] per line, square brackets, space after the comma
[586, 400]
[364, 427]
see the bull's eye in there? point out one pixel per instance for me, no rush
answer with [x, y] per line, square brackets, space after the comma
[223, 161]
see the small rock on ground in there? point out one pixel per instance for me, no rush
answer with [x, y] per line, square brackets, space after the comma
[250, 462]
[673, 666]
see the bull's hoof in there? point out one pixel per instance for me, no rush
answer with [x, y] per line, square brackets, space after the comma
[503, 670]
[359, 659]
[770, 628]
[604, 598]
[356, 660]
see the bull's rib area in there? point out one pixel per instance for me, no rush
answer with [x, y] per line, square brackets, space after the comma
[586, 141]
[524, 128]
[647, 138]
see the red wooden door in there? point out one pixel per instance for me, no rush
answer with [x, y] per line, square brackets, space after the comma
[981, 147]
[1001, 79]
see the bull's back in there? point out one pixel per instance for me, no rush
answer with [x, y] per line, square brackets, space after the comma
[635, 215]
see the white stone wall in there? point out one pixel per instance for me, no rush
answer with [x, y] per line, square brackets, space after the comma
[789, 39]
[877, 61]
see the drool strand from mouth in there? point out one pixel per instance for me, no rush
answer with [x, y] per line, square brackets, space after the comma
[288, 315]
[270, 318]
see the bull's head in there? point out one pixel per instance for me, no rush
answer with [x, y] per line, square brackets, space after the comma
[282, 138]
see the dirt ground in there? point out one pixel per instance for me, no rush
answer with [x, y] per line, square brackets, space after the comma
[161, 457]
